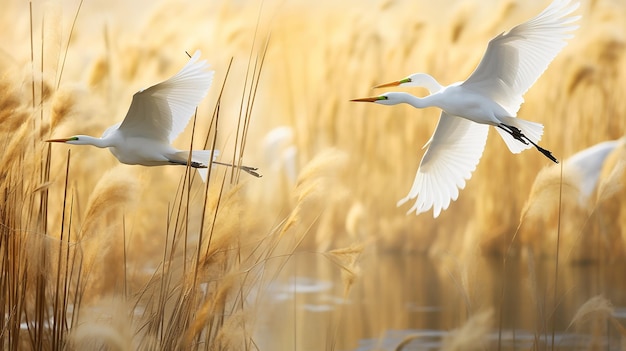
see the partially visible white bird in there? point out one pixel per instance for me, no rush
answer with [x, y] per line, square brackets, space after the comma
[157, 115]
[491, 95]
[588, 164]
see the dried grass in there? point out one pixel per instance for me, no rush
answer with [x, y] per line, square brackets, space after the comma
[105, 324]
[596, 313]
[115, 193]
[63, 106]
[78, 241]
[473, 335]
[539, 222]
[347, 259]
[354, 161]
[597, 306]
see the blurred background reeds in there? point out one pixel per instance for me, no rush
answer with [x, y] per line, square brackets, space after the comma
[100, 255]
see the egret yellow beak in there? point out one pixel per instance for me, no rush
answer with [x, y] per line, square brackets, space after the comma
[369, 99]
[394, 84]
[63, 140]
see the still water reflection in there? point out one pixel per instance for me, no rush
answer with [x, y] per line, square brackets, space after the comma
[421, 301]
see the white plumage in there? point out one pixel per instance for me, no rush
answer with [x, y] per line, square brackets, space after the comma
[491, 95]
[157, 115]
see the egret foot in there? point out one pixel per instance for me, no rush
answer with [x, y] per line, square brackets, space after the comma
[546, 153]
[250, 170]
[515, 133]
[518, 135]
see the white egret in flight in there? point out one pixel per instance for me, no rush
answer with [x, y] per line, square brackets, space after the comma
[157, 115]
[491, 95]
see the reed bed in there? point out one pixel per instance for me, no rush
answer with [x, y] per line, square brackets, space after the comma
[96, 254]
[85, 264]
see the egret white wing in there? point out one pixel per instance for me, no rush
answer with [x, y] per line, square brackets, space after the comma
[162, 111]
[453, 153]
[516, 59]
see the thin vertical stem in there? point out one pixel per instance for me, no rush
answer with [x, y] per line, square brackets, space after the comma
[556, 266]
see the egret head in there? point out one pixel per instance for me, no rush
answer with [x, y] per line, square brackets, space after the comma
[70, 140]
[415, 80]
[74, 140]
[402, 82]
[384, 99]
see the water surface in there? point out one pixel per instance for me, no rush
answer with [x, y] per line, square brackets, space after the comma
[400, 297]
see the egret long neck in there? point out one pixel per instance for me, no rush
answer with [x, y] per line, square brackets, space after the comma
[428, 82]
[417, 102]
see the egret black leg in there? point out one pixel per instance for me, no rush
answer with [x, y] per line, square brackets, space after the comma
[518, 135]
[250, 170]
[183, 163]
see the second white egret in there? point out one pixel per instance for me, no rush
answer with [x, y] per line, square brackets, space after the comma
[157, 115]
[491, 95]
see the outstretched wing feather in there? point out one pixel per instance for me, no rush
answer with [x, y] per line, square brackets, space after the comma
[453, 154]
[516, 59]
[162, 111]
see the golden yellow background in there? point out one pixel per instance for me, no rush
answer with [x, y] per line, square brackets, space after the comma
[351, 162]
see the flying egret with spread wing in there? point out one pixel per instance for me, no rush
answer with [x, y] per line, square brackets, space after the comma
[157, 115]
[491, 95]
